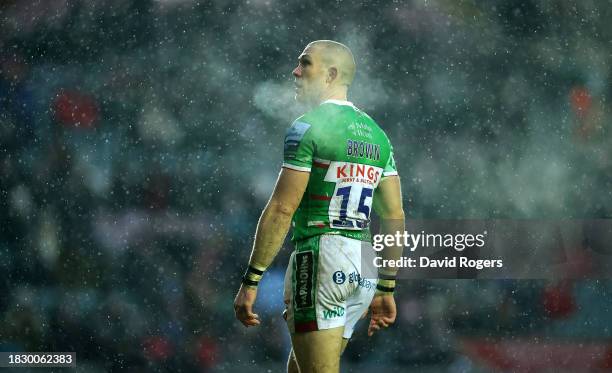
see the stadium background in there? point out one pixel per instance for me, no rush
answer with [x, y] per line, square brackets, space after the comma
[140, 140]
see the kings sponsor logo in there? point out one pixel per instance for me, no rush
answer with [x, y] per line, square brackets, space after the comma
[303, 279]
[347, 172]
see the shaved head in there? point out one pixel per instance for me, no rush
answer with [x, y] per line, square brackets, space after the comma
[325, 71]
[338, 55]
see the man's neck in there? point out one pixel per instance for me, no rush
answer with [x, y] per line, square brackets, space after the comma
[337, 93]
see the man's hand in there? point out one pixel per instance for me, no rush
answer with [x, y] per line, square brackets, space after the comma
[243, 306]
[383, 313]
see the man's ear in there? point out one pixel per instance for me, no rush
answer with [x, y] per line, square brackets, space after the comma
[332, 74]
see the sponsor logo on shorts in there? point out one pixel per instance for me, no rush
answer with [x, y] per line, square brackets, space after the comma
[362, 282]
[303, 276]
[339, 277]
[337, 311]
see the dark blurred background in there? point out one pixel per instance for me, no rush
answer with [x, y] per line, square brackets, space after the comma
[140, 139]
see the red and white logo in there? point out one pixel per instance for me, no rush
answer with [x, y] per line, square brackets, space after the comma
[347, 172]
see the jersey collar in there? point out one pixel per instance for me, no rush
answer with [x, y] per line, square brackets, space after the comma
[338, 102]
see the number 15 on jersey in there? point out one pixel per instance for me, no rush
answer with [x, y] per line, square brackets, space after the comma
[351, 203]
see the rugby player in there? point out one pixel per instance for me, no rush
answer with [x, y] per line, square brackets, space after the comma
[338, 166]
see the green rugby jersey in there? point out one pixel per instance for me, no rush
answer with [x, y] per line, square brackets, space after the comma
[347, 154]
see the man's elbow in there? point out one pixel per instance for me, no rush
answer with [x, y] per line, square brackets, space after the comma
[281, 209]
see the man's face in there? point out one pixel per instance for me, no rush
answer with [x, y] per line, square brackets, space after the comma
[310, 76]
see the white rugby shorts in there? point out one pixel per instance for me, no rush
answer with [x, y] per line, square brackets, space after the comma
[324, 288]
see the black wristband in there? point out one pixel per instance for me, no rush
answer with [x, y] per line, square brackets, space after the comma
[385, 289]
[249, 282]
[252, 276]
[254, 270]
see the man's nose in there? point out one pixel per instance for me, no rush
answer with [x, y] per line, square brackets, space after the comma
[297, 72]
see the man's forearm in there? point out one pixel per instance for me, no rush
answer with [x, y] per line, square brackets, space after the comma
[391, 226]
[272, 228]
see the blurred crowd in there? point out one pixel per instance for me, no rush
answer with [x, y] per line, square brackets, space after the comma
[140, 139]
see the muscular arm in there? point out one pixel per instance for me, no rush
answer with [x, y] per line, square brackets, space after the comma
[388, 206]
[271, 231]
[276, 216]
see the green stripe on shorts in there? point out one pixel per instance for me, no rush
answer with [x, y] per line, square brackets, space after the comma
[304, 284]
